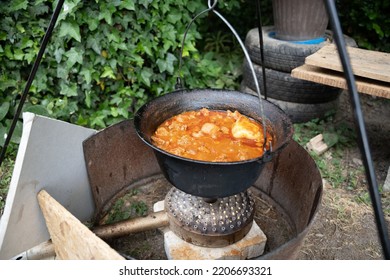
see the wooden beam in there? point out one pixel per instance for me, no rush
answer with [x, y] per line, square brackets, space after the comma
[365, 63]
[336, 79]
[72, 240]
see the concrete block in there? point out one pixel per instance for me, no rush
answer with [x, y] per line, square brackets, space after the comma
[251, 246]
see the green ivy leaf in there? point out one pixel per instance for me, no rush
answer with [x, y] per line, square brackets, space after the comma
[3, 36]
[108, 72]
[69, 8]
[18, 54]
[58, 54]
[162, 65]
[171, 59]
[88, 98]
[36, 109]
[174, 16]
[71, 29]
[128, 5]
[40, 80]
[8, 52]
[4, 110]
[147, 48]
[106, 15]
[74, 56]
[122, 111]
[98, 121]
[92, 19]
[18, 5]
[68, 90]
[146, 73]
[30, 56]
[145, 3]
[7, 84]
[26, 43]
[192, 6]
[62, 72]
[94, 43]
[86, 72]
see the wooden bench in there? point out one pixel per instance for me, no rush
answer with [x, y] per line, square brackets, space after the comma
[371, 70]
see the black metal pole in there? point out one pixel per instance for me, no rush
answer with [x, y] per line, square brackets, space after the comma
[31, 77]
[261, 42]
[359, 121]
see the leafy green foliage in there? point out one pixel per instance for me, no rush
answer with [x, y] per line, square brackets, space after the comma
[105, 58]
[367, 22]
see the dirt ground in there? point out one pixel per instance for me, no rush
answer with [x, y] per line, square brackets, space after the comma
[344, 228]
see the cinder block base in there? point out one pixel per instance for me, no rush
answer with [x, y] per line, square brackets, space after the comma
[251, 246]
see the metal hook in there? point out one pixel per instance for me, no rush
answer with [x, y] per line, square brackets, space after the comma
[211, 7]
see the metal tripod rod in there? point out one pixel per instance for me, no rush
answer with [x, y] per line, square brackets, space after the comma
[31, 77]
[359, 121]
[261, 42]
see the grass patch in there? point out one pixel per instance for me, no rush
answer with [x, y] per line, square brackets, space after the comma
[338, 136]
[336, 165]
[126, 207]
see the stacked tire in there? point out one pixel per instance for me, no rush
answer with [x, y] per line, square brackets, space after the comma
[301, 100]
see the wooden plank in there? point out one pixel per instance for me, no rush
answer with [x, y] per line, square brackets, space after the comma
[336, 79]
[368, 64]
[72, 240]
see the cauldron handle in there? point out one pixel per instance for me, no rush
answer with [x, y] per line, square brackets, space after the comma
[179, 82]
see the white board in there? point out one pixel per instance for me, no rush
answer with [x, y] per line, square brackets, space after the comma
[50, 157]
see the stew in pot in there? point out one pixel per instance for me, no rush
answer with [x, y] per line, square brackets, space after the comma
[210, 135]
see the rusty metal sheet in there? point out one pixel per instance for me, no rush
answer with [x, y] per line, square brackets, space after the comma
[293, 181]
[115, 158]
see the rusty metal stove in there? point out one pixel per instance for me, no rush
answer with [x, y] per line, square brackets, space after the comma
[291, 183]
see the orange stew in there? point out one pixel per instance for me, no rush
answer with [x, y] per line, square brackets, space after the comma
[217, 136]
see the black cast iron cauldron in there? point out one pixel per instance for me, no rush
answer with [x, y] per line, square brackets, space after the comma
[211, 179]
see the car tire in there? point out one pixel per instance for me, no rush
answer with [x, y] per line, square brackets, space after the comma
[283, 55]
[283, 86]
[299, 112]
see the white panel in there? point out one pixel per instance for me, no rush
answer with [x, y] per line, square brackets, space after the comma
[50, 157]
